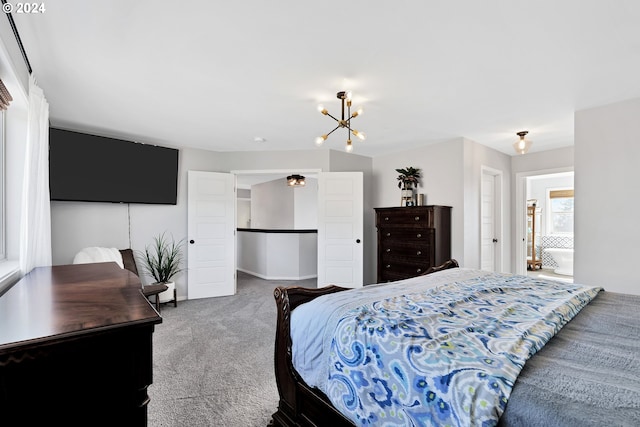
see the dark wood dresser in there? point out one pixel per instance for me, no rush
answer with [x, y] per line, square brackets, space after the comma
[76, 348]
[412, 239]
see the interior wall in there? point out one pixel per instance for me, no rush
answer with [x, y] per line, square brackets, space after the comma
[272, 205]
[277, 160]
[305, 205]
[441, 167]
[275, 205]
[606, 203]
[550, 160]
[477, 156]
[75, 225]
[243, 213]
[243, 208]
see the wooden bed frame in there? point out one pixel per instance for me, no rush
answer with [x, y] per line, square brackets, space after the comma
[301, 405]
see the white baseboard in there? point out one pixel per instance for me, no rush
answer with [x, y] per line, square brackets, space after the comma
[262, 276]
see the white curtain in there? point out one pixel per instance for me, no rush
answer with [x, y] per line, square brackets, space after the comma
[35, 229]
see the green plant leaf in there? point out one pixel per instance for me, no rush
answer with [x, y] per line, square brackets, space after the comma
[408, 177]
[162, 259]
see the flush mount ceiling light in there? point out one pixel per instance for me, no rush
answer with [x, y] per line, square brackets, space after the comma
[522, 145]
[344, 121]
[295, 181]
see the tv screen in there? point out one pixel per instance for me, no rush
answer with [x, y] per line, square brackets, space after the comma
[93, 168]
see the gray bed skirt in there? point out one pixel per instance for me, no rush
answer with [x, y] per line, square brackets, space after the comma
[588, 374]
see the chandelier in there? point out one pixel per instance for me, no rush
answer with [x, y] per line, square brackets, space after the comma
[522, 145]
[344, 121]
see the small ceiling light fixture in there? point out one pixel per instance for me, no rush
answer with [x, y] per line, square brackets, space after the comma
[522, 145]
[345, 99]
[295, 181]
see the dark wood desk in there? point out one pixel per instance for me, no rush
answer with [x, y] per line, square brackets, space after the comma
[76, 347]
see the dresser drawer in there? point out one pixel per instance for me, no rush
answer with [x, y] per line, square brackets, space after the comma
[421, 218]
[402, 234]
[398, 250]
[410, 259]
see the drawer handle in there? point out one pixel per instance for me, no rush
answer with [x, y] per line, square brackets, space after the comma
[419, 253]
[388, 234]
[386, 218]
[388, 266]
[418, 270]
[418, 235]
[388, 250]
[417, 218]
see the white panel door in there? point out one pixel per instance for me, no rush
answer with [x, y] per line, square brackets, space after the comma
[488, 252]
[490, 220]
[211, 223]
[340, 229]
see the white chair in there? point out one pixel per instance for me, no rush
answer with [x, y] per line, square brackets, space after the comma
[98, 254]
[125, 259]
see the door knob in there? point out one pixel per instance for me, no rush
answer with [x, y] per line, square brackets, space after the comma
[192, 241]
[357, 240]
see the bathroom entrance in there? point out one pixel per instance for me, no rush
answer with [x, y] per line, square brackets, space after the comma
[549, 225]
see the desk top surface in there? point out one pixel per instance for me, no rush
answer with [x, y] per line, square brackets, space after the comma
[66, 301]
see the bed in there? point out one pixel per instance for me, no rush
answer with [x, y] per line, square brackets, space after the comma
[582, 356]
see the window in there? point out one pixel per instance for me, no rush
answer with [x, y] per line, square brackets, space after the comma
[561, 211]
[2, 169]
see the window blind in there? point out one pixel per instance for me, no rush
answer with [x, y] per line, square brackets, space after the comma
[5, 96]
[555, 194]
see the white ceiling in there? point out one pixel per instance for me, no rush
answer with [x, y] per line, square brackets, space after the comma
[218, 74]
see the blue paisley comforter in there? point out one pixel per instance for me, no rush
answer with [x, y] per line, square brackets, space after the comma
[446, 355]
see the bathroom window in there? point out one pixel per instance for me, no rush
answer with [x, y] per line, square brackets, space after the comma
[2, 175]
[561, 211]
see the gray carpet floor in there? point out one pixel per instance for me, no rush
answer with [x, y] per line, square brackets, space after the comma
[213, 359]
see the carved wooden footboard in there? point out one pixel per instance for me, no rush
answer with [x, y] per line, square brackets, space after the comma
[301, 405]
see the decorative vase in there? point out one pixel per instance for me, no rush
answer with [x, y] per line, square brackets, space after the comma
[167, 295]
[407, 197]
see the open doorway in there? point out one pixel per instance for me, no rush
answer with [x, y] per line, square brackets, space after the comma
[331, 212]
[548, 231]
[277, 224]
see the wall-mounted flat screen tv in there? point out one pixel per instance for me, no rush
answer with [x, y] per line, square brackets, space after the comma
[92, 168]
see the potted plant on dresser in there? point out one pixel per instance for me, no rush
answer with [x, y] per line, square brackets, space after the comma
[162, 262]
[407, 181]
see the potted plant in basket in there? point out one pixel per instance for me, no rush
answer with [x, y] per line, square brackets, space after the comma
[162, 261]
[407, 181]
